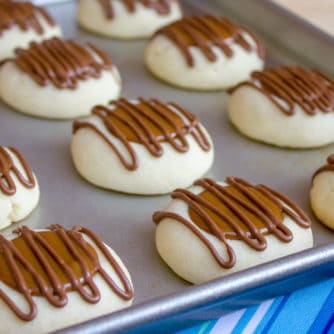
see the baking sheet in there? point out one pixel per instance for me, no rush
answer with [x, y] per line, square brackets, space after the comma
[125, 222]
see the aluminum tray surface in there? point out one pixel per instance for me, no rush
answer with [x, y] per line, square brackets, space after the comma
[125, 221]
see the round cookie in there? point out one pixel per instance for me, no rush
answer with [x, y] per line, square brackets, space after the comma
[141, 146]
[127, 19]
[203, 53]
[322, 195]
[217, 228]
[19, 190]
[58, 79]
[285, 106]
[22, 23]
[63, 277]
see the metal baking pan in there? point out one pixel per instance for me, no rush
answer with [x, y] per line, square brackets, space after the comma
[164, 302]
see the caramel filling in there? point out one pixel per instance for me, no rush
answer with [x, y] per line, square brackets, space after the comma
[240, 215]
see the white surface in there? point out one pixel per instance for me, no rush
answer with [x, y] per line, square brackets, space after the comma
[50, 318]
[15, 37]
[257, 117]
[165, 60]
[125, 25]
[97, 162]
[16, 207]
[34, 99]
[190, 258]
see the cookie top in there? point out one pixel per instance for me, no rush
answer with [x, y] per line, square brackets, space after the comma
[236, 211]
[206, 32]
[287, 87]
[8, 169]
[147, 122]
[162, 7]
[329, 167]
[24, 15]
[62, 63]
[52, 262]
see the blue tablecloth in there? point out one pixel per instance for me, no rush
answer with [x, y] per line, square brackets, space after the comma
[309, 310]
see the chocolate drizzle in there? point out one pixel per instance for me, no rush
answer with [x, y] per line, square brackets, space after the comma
[162, 7]
[25, 15]
[244, 212]
[310, 89]
[148, 122]
[8, 169]
[205, 32]
[329, 167]
[62, 63]
[49, 263]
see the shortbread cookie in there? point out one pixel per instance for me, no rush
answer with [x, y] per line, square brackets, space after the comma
[55, 278]
[217, 228]
[322, 195]
[19, 190]
[22, 23]
[59, 79]
[204, 53]
[127, 19]
[285, 106]
[141, 146]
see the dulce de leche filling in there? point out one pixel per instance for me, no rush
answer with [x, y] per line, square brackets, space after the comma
[205, 32]
[25, 15]
[147, 122]
[51, 263]
[236, 211]
[162, 7]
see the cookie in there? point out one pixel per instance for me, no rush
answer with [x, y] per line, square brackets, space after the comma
[19, 190]
[321, 194]
[141, 146]
[203, 53]
[59, 79]
[54, 278]
[127, 19]
[285, 106]
[22, 23]
[217, 228]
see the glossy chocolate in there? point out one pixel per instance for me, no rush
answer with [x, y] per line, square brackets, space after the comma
[162, 7]
[25, 15]
[329, 167]
[206, 32]
[148, 122]
[9, 169]
[237, 211]
[63, 63]
[288, 87]
[51, 263]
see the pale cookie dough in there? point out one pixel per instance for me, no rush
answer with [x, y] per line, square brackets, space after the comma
[322, 193]
[286, 106]
[221, 242]
[127, 19]
[19, 190]
[91, 298]
[22, 23]
[63, 84]
[141, 147]
[203, 53]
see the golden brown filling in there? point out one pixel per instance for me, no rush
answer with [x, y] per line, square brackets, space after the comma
[57, 245]
[235, 215]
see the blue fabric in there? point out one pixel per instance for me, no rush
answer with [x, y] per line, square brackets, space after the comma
[309, 310]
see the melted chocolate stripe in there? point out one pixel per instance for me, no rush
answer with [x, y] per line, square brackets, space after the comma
[25, 15]
[329, 167]
[62, 63]
[205, 32]
[162, 7]
[253, 236]
[7, 167]
[312, 90]
[48, 282]
[133, 117]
